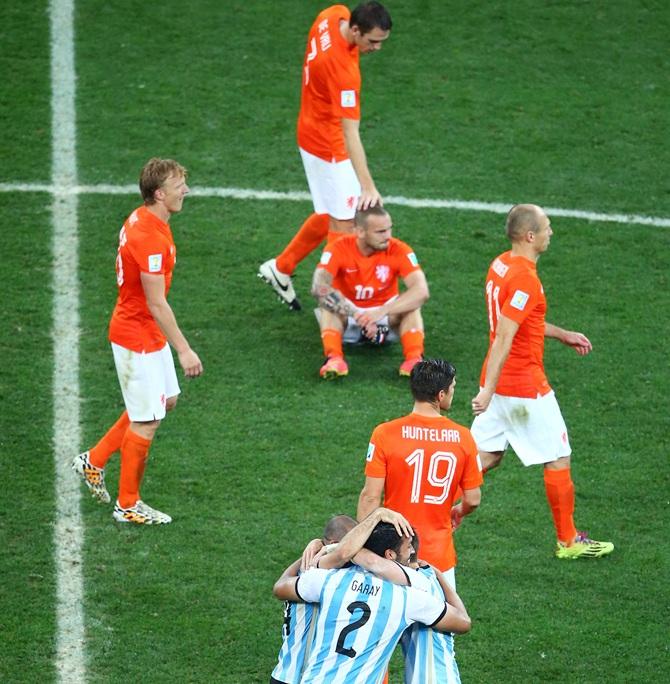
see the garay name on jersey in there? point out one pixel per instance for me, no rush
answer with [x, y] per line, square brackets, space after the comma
[363, 588]
[430, 434]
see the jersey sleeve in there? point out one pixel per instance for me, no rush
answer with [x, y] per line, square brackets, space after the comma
[344, 85]
[419, 579]
[424, 608]
[472, 472]
[151, 256]
[331, 259]
[406, 260]
[310, 583]
[524, 295]
[375, 461]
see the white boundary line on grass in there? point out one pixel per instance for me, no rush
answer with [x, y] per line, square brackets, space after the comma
[415, 203]
[68, 531]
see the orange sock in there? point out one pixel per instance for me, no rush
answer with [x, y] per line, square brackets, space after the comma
[311, 234]
[412, 343]
[134, 454]
[332, 342]
[561, 498]
[111, 442]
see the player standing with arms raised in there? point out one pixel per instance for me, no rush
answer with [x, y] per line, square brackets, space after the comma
[328, 134]
[515, 404]
[142, 330]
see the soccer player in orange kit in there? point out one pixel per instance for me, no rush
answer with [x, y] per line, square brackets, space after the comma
[515, 404]
[356, 287]
[142, 330]
[420, 462]
[328, 134]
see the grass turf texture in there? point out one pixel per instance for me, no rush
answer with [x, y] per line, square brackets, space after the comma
[561, 105]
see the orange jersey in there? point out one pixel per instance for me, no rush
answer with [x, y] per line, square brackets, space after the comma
[145, 246]
[331, 84]
[423, 461]
[514, 290]
[367, 281]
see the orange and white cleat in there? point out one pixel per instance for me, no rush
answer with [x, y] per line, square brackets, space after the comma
[94, 477]
[406, 366]
[334, 367]
[140, 514]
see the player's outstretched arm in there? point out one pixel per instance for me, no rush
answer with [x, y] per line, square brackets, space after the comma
[284, 587]
[370, 196]
[154, 291]
[455, 606]
[353, 541]
[578, 341]
[327, 296]
[382, 567]
[505, 332]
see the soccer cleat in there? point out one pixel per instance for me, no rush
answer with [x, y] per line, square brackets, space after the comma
[280, 283]
[93, 477]
[406, 366]
[334, 367]
[583, 547]
[140, 514]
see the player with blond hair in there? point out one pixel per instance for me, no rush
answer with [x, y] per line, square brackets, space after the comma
[141, 331]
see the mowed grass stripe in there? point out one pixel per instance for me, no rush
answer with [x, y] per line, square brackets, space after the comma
[414, 203]
[68, 531]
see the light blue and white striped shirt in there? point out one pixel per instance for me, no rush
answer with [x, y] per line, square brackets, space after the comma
[429, 655]
[297, 631]
[360, 621]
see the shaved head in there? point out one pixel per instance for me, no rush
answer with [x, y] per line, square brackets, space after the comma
[523, 218]
[337, 527]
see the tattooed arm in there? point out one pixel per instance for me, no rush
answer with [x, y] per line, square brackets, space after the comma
[328, 297]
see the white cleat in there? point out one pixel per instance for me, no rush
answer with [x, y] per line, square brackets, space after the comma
[93, 477]
[140, 514]
[280, 283]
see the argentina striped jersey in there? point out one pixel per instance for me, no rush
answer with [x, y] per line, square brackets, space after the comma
[297, 632]
[429, 655]
[360, 620]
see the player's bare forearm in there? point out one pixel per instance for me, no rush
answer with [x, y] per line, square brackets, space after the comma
[328, 297]
[578, 341]
[369, 194]
[368, 500]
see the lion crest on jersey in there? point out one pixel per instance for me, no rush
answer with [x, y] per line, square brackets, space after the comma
[382, 272]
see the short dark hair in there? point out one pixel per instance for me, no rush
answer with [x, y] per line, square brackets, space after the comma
[362, 215]
[383, 537]
[429, 377]
[370, 15]
[337, 527]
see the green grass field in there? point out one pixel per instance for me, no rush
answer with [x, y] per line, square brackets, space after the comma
[565, 104]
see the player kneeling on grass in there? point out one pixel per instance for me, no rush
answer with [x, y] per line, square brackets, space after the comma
[356, 286]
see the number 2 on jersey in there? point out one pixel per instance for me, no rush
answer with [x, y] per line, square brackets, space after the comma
[416, 460]
[352, 626]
